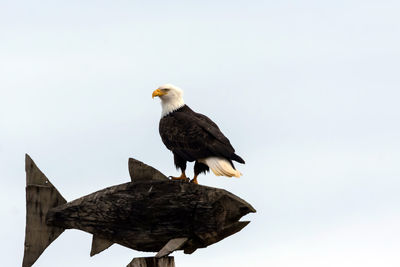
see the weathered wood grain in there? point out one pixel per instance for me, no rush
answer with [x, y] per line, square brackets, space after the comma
[145, 215]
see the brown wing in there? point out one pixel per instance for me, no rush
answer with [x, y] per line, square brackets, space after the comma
[193, 136]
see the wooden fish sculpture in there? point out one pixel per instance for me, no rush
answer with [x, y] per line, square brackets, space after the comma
[151, 213]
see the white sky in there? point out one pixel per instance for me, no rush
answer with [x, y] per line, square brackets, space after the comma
[307, 92]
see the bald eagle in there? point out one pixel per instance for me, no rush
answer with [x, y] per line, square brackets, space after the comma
[193, 136]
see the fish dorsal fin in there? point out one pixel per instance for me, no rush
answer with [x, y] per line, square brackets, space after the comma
[171, 246]
[99, 244]
[140, 171]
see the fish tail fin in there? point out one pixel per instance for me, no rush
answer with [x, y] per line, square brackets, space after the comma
[41, 196]
[221, 167]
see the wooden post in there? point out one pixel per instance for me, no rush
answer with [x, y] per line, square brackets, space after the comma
[152, 262]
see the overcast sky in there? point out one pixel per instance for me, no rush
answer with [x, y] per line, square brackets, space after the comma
[307, 92]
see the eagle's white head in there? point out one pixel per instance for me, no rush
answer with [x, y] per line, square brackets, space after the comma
[171, 98]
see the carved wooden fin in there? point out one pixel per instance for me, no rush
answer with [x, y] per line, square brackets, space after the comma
[140, 171]
[99, 244]
[41, 196]
[171, 246]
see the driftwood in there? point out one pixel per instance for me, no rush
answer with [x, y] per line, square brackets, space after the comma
[151, 213]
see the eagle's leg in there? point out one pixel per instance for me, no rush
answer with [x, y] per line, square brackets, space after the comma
[180, 163]
[199, 168]
[194, 180]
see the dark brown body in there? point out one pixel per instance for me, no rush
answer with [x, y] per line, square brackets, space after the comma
[192, 136]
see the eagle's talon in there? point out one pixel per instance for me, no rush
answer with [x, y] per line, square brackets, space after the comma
[180, 178]
[194, 180]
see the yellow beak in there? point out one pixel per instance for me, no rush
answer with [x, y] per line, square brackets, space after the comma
[158, 92]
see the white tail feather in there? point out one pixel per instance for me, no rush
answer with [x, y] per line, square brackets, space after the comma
[221, 167]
